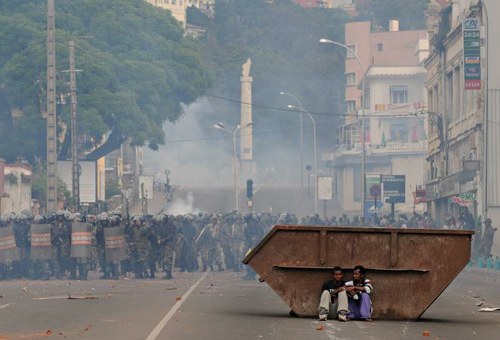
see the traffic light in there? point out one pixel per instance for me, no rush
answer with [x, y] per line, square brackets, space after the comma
[249, 188]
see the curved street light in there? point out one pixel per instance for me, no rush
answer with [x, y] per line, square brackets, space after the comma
[221, 126]
[315, 154]
[301, 136]
[363, 147]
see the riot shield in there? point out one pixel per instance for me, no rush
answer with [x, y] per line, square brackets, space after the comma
[8, 250]
[81, 239]
[40, 241]
[115, 244]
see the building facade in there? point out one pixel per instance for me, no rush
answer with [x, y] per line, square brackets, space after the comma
[325, 3]
[464, 130]
[395, 136]
[178, 8]
[17, 186]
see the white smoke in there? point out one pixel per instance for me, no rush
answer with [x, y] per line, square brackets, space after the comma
[195, 153]
[181, 207]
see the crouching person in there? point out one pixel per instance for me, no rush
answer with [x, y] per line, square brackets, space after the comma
[333, 302]
[358, 291]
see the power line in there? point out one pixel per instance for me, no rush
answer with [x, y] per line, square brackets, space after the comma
[227, 137]
[377, 114]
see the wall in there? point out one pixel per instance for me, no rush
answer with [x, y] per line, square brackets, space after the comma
[2, 176]
[18, 186]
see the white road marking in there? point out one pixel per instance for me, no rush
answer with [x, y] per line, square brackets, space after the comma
[159, 327]
[5, 306]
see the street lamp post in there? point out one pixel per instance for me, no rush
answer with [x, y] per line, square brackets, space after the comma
[233, 132]
[315, 154]
[363, 147]
[301, 136]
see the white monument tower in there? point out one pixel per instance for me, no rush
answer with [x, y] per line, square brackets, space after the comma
[246, 140]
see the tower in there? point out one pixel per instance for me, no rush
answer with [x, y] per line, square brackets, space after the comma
[246, 140]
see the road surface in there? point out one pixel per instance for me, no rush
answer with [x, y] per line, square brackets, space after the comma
[221, 306]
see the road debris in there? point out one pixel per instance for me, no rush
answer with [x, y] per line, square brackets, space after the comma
[88, 297]
[426, 333]
[319, 327]
[489, 309]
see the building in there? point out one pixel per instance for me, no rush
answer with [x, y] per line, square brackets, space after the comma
[205, 6]
[325, 3]
[17, 188]
[178, 8]
[463, 88]
[395, 137]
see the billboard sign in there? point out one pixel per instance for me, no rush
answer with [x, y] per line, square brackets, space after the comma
[472, 54]
[393, 188]
[88, 179]
[373, 189]
[325, 188]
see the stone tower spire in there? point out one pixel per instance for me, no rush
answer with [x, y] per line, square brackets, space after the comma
[246, 141]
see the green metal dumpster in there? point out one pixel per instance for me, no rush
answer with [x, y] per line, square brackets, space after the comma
[409, 268]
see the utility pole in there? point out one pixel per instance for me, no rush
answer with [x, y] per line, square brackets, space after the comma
[74, 132]
[51, 203]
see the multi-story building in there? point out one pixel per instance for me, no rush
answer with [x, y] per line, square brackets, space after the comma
[464, 100]
[395, 139]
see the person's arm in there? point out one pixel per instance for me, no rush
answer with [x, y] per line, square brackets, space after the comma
[365, 288]
[336, 291]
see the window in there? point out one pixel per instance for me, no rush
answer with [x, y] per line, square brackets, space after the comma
[399, 94]
[380, 47]
[399, 132]
[351, 105]
[350, 78]
[367, 98]
[349, 54]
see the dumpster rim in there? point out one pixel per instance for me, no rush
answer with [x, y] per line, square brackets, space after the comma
[359, 229]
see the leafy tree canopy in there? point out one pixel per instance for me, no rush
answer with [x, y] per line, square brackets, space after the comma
[138, 70]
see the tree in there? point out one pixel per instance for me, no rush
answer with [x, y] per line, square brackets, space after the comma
[411, 13]
[138, 70]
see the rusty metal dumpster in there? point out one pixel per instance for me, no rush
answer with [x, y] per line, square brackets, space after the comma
[409, 268]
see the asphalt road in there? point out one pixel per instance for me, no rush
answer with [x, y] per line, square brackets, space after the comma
[221, 306]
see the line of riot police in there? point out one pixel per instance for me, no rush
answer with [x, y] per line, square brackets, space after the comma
[64, 245]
